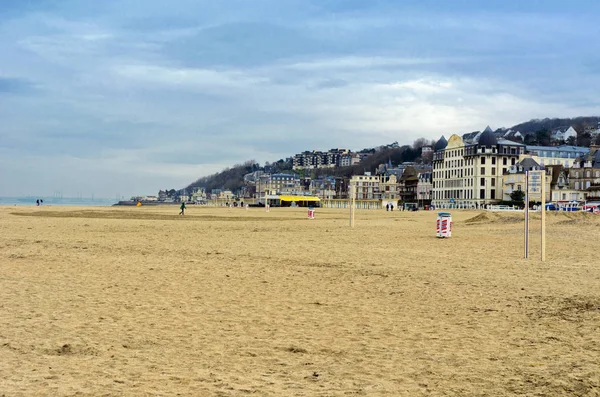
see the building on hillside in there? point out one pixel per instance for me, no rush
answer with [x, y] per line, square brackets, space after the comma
[318, 159]
[367, 186]
[585, 172]
[563, 134]
[427, 154]
[262, 184]
[282, 183]
[514, 179]
[349, 159]
[593, 130]
[469, 174]
[564, 155]
[513, 135]
[226, 195]
[162, 195]
[199, 195]
[426, 149]
[252, 177]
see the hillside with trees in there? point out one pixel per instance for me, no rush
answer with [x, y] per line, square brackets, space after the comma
[535, 131]
[534, 125]
[230, 178]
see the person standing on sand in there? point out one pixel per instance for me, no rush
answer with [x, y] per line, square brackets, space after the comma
[37, 202]
[182, 208]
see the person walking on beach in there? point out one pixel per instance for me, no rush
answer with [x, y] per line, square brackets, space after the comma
[182, 208]
[37, 202]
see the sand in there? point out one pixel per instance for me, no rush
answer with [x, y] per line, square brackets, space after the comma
[228, 302]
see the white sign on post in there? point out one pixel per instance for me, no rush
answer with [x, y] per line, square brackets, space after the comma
[535, 181]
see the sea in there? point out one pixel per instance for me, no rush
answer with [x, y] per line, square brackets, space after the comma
[58, 201]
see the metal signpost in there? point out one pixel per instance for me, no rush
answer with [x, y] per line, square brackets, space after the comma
[535, 182]
[352, 203]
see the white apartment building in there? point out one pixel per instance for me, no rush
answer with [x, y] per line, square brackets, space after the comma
[348, 159]
[367, 186]
[469, 173]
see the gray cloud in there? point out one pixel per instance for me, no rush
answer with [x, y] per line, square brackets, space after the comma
[137, 95]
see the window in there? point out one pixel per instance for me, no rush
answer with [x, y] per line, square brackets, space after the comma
[493, 170]
[518, 187]
[576, 185]
[482, 182]
[577, 175]
[512, 161]
[482, 193]
[493, 194]
[493, 160]
[482, 170]
[587, 174]
[482, 160]
[587, 184]
[493, 182]
[504, 161]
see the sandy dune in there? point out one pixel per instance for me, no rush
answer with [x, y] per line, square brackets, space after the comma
[227, 302]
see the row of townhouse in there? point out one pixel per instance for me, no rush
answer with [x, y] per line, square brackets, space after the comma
[412, 185]
[478, 169]
[330, 159]
[409, 183]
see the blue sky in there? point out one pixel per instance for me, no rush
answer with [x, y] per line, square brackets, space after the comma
[131, 96]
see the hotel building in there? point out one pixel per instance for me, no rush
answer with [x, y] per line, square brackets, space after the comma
[468, 173]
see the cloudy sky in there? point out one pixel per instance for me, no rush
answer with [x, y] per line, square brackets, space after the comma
[129, 96]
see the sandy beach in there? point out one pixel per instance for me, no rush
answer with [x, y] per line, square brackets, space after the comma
[228, 302]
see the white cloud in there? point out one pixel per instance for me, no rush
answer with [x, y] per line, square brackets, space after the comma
[187, 78]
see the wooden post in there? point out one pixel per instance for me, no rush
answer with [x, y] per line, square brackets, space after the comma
[543, 231]
[352, 203]
[526, 242]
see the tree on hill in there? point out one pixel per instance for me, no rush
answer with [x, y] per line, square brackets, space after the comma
[543, 137]
[419, 143]
[583, 138]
